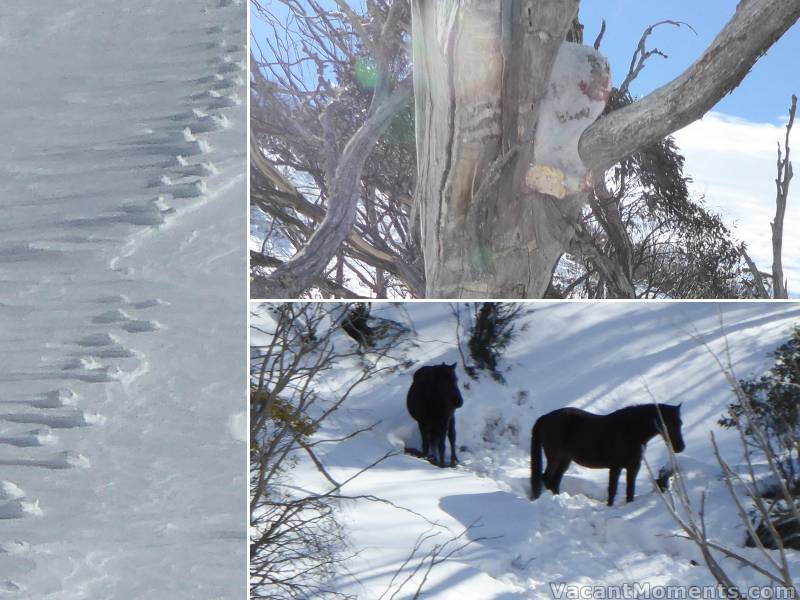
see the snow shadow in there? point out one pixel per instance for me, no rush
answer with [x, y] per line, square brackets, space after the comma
[503, 518]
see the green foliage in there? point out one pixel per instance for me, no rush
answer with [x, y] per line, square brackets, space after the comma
[371, 332]
[283, 414]
[495, 327]
[775, 399]
[679, 248]
[365, 72]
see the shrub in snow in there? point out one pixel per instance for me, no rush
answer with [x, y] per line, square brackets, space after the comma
[787, 528]
[771, 424]
[367, 330]
[495, 327]
[296, 538]
[775, 399]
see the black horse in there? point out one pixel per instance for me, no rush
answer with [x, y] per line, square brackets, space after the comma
[432, 400]
[615, 441]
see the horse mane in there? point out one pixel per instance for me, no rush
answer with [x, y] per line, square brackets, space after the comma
[649, 406]
[644, 412]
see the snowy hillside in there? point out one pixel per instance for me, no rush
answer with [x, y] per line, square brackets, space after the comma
[122, 265]
[596, 357]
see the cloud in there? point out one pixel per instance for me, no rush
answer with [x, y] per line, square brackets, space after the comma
[733, 164]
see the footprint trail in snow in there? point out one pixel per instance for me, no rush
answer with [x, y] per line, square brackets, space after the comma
[133, 124]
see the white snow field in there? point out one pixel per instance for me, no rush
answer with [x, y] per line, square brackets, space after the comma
[596, 357]
[122, 299]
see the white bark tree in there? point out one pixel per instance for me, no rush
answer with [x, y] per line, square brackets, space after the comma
[508, 143]
[498, 204]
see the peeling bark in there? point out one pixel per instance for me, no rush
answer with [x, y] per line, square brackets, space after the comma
[481, 71]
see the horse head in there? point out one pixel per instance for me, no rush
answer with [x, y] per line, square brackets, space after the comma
[671, 414]
[448, 385]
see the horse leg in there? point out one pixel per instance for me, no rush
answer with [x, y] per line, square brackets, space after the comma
[630, 480]
[613, 478]
[559, 471]
[552, 463]
[423, 433]
[451, 435]
[441, 434]
[547, 476]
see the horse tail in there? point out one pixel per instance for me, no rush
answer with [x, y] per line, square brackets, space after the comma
[536, 462]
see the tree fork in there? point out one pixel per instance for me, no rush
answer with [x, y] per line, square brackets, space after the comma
[481, 69]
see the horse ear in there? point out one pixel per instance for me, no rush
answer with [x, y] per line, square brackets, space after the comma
[679, 405]
[453, 366]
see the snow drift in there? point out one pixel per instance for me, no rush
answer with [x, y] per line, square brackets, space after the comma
[598, 357]
[122, 290]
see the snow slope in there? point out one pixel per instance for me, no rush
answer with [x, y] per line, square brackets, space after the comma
[592, 356]
[122, 291]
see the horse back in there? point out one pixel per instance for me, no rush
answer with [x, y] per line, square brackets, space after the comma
[566, 419]
[591, 440]
[424, 401]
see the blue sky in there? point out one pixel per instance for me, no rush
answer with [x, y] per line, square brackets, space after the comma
[763, 96]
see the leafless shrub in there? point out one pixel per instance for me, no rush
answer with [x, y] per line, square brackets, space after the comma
[418, 565]
[743, 490]
[296, 544]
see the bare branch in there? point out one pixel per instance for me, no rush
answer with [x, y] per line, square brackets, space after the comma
[641, 54]
[782, 195]
[298, 274]
[600, 35]
[257, 282]
[761, 289]
[756, 25]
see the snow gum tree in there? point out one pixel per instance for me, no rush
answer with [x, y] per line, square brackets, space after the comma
[508, 140]
[514, 142]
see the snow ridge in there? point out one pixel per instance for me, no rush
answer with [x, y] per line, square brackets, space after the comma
[111, 144]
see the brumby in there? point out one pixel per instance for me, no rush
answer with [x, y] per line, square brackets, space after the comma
[615, 441]
[432, 401]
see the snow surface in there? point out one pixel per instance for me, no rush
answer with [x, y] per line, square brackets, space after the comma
[122, 291]
[599, 357]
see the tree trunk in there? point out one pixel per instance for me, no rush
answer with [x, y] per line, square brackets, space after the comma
[481, 70]
[500, 182]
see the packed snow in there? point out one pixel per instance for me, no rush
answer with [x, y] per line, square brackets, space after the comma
[599, 357]
[122, 291]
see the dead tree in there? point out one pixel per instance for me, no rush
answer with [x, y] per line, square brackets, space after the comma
[784, 177]
[506, 138]
[782, 184]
